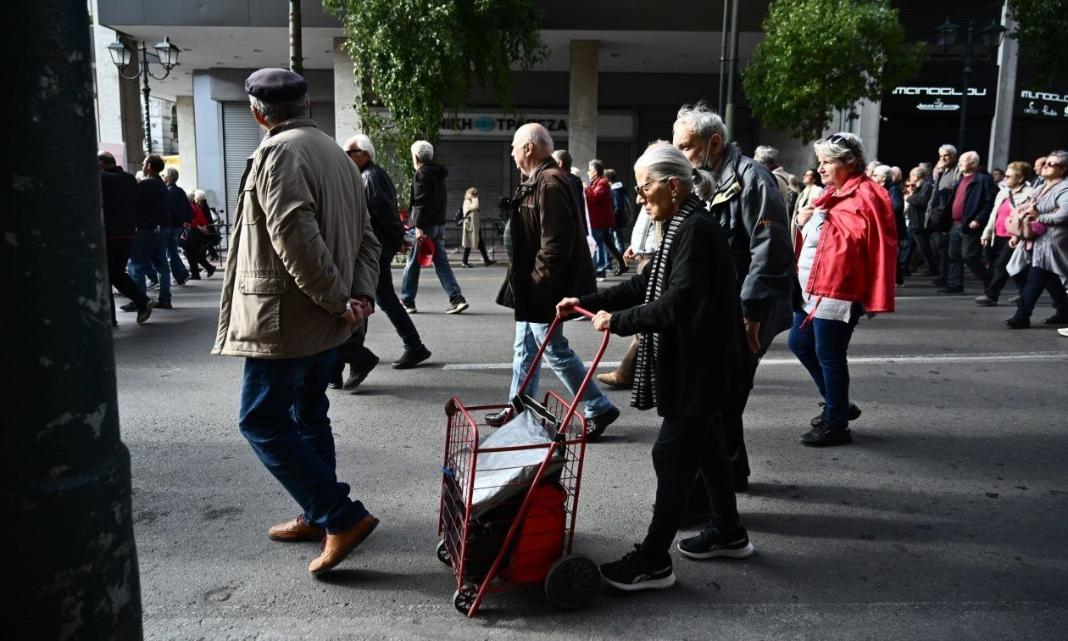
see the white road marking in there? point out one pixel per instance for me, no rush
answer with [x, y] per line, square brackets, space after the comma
[853, 360]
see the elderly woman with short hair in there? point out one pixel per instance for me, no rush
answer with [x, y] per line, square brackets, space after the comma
[685, 306]
[1015, 192]
[1049, 257]
[846, 267]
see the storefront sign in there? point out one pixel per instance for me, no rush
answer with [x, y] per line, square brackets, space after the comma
[935, 99]
[1043, 104]
[502, 126]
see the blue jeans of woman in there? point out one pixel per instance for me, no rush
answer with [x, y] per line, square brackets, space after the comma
[822, 346]
[284, 418]
[560, 357]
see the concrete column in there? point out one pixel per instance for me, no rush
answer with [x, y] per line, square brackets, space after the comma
[108, 102]
[211, 170]
[867, 127]
[1001, 124]
[131, 111]
[187, 142]
[582, 110]
[346, 94]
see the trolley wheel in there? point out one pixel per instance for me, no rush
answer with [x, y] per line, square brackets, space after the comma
[443, 553]
[572, 582]
[464, 597]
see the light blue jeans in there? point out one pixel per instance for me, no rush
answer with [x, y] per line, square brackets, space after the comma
[560, 357]
[410, 278]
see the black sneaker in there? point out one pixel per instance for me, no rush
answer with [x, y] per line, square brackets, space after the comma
[411, 358]
[712, 543]
[950, 291]
[1018, 323]
[636, 571]
[143, 314]
[498, 419]
[356, 377]
[825, 436]
[986, 301]
[410, 308]
[596, 425]
[1056, 319]
[456, 306]
[164, 304]
[854, 414]
[129, 307]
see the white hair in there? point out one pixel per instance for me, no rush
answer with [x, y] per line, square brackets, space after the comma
[881, 172]
[950, 149]
[541, 139]
[276, 112]
[766, 155]
[171, 174]
[363, 143]
[1061, 155]
[423, 150]
[701, 120]
[971, 157]
[200, 195]
[662, 161]
[842, 146]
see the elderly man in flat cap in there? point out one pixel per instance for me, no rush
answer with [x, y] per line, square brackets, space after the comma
[300, 275]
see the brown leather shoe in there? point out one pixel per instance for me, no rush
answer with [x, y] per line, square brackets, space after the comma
[339, 545]
[296, 530]
[614, 379]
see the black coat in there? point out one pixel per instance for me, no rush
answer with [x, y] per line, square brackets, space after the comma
[152, 204]
[382, 205]
[179, 211]
[700, 366]
[550, 257]
[118, 199]
[428, 197]
[917, 205]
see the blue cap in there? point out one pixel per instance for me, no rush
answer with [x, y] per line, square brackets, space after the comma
[275, 85]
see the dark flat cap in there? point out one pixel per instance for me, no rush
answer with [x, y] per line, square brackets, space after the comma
[275, 85]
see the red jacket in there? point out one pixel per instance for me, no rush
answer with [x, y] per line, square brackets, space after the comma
[856, 258]
[599, 204]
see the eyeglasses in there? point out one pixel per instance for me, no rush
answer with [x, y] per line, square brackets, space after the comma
[640, 189]
[1054, 163]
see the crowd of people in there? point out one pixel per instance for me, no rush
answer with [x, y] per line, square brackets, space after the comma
[147, 217]
[729, 251]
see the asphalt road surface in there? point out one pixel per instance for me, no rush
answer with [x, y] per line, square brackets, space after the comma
[946, 519]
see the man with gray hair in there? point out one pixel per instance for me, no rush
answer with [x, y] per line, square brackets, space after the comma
[938, 218]
[748, 205]
[181, 216]
[550, 262]
[769, 157]
[300, 275]
[428, 200]
[973, 198]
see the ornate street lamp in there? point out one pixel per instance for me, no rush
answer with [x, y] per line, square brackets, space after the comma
[946, 38]
[166, 54]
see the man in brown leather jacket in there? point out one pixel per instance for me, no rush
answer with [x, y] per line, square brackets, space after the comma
[550, 261]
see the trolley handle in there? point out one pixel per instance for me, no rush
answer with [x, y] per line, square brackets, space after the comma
[585, 312]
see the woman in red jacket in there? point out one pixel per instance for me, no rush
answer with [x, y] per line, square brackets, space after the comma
[846, 267]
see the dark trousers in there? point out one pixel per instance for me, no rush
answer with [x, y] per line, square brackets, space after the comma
[118, 250]
[284, 418]
[965, 249]
[923, 243]
[822, 346]
[1002, 253]
[481, 248]
[685, 447]
[1031, 283]
[390, 305]
[354, 353]
[196, 252]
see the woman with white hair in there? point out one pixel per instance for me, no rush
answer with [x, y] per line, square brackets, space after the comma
[686, 308]
[846, 267]
[197, 237]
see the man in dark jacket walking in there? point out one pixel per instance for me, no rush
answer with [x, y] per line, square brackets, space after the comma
[149, 250]
[428, 201]
[750, 208]
[550, 261]
[118, 197]
[973, 198]
[382, 205]
[181, 216]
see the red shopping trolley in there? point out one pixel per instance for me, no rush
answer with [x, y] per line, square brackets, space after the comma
[509, 496]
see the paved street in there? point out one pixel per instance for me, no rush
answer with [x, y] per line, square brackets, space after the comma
[945, 520]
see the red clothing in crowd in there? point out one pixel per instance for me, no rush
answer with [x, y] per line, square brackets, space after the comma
[856, 258]
[961, 197]
[199, 219]
[599, 204]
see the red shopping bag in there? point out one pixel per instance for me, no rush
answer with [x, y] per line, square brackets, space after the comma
[425, 252]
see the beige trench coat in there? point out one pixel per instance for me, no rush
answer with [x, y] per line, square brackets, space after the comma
[300, 247]
[470, 230]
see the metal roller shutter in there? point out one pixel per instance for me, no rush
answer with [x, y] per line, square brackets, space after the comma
[241, 136]
[481, 164]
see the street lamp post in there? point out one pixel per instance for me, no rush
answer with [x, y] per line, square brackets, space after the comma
[166, 53]
[946, 37]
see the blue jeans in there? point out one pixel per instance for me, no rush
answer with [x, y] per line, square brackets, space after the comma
[560, 357]
[410, 279]
[386, 298]
[1031, 283]
[144, 245]
[601, 259]
[173, 236]
[284, 418]
[822, 346]
[162, 265]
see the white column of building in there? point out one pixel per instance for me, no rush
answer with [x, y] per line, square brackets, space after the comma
[867, 126]
[346, 94]
[582, 105]
[187, 142]
[1001, 124]
[108, 95]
